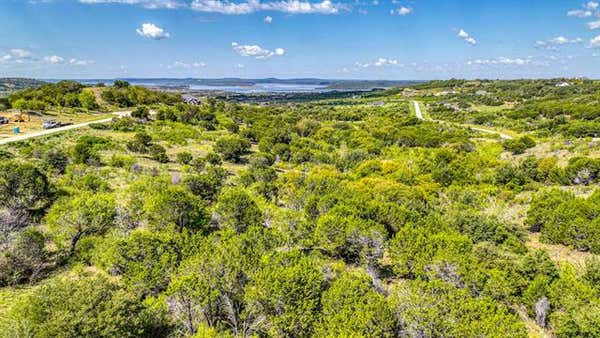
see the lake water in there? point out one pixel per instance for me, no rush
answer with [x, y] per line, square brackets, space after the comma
[265, 88]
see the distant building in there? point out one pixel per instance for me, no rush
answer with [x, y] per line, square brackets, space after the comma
[190, 99]
[377, 103]
[563, 84]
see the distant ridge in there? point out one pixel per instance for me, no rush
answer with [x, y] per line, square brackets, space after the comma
[8, 84]
[233, 81]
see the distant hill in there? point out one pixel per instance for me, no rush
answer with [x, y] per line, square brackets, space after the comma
[333, 84]
[9, 84]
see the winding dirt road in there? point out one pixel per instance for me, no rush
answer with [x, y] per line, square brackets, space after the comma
[419, 115]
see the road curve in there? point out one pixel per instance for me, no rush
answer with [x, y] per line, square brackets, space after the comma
[27, 136]
[483, 130]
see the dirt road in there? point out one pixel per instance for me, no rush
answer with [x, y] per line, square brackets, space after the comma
[27, 136]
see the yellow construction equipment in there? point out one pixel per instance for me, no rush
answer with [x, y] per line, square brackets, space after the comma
[20, 117]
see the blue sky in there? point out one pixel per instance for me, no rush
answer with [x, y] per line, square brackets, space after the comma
[358, 39]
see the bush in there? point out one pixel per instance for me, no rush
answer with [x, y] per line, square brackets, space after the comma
[213, 158]
[232, 147]
[141, 112]
[140, 143]
[86, 150]
[184, 157]
[158, 153]
[56, 159]
[519, 145]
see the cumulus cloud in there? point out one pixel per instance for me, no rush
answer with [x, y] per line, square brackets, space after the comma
[54, 59]
[379, 62]
[467, 37]
[587, 10]
[556, 41]
[268, 19]
[595, 42]
[591, 5]
[16, 55]
[256, 51]
[150, 4]
[20, 53]
[402, 11]
[151, 31]
[594, 25]
[237, 8]
[501, 61]
[77, 62]
[579, 13]
[186, 65]
[25, 56]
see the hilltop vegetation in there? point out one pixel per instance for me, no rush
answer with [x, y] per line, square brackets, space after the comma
[339, 217]
[73, 95]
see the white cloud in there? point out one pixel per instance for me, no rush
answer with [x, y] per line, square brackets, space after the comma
[592, 5]
[24, 56]
[268, 19]
[236, 8]
[54, 59]
[587, 10]
[20, 53]
[579, 13]
[77, 62]
[151, 31]
[16, 55]
[256, 51]
[595, 42]
[501, 61]
[380, 62]
[251, 6]
[402, 11]
[594, 24]
[186, 65]
[467, 37]
[151, 4]
[556, 41]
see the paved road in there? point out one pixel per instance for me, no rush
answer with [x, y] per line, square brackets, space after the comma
[27, 136]
[483, 130]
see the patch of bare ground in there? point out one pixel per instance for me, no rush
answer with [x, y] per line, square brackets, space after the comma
[560, 253]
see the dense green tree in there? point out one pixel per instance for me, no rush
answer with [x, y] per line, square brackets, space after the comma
[88, 100]
[23, 187]
[237, 210]
[82, 306]
[436, 309]
[145, 260]
[287, 291]
[74, 218]
[25, 260]
[175, 206]
[351, 308]
[232, 147]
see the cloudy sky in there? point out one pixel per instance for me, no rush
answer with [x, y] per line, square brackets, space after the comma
[359, 39]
